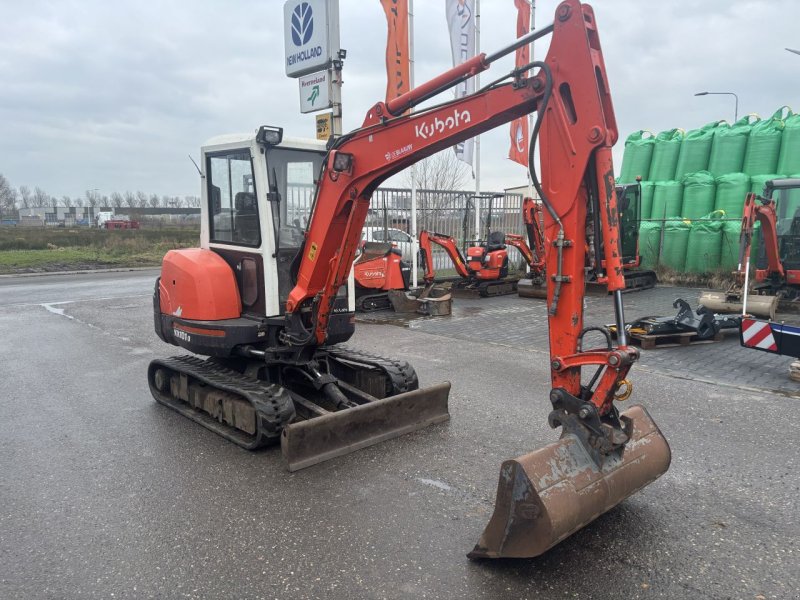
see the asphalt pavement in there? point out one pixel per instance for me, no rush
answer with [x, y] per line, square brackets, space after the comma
[105, 493]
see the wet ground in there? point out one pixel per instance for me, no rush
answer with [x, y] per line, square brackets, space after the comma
[106, 494]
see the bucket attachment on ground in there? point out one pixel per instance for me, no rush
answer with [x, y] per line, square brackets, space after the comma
[547, 495]
[431, 300]
[528, 287]
[728, 302]
[309, 442]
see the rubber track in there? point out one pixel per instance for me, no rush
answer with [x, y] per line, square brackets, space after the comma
[381, 302]
[274, 406]
[401, 375]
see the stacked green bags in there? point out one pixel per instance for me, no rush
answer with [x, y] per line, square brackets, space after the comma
[637, 157]
[705, 243]
[764, 145]
[665, 155]
[648, 189]
[731, 191]
[728, 147]
[789, 159]
[695, 149]
[667, 199]
[676, 240]
[649, 243]
[698, 194]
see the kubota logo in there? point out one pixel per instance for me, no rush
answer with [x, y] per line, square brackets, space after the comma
[302, 24]
[430, 128]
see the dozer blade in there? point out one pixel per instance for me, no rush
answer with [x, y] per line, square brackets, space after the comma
[313, 441]
[547, 495]
[757, 305]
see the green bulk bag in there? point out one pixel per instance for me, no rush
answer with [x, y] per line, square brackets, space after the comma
[676, 240]
[705, 243]
[649, 243]
[667, 199]
[698, 194]
[637, 157]
[646, 209]
[665, 155]
[729, 251]
[695, 149]
[729, 146]
[731, 191]
[789, 158]
[764, 145]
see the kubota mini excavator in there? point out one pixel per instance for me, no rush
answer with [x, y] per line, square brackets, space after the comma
[484, 271]
[270, 306]
[378, 269]
[779, 281]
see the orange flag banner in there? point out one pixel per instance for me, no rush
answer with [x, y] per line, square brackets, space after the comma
[519, 128]
[397, 65]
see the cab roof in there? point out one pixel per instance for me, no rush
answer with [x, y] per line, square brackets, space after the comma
[246, 139]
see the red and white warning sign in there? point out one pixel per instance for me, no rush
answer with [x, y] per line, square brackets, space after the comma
[758, 334]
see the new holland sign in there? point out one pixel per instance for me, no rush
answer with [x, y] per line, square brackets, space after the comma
[310, 35]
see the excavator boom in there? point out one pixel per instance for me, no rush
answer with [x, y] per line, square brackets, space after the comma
[603, 456]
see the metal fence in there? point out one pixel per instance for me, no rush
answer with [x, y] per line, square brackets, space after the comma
[465, 216]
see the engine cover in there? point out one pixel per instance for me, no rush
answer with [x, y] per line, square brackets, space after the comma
[198, 284]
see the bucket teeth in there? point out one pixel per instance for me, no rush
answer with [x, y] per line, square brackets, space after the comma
[547, 495]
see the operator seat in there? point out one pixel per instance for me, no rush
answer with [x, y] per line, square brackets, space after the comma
[496, 241]
[246, 217]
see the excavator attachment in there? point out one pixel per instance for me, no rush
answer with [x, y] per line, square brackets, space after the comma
[547, 495]
[528, 287]
[312, 441]
[728, 302]
[431, 300]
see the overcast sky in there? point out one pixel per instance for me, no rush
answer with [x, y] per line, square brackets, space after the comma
[115, 95]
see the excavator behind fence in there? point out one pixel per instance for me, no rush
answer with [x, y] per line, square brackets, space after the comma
[484, 271]
[270, 304]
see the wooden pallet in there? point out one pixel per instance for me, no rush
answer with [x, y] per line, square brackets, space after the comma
[670, 340]
[665, 340]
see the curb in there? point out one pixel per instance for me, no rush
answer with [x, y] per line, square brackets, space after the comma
[81, 272]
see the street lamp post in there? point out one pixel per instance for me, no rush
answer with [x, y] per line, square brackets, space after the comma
[736, 108]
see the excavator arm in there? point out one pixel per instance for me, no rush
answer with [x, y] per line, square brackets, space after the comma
[449, 245]
[603, 456]
[767, 216]
[571, 82]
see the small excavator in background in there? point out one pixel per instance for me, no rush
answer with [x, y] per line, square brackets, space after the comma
[378, 269]
[777, 283]
[270, 304]
[636, 278]
[484, 271]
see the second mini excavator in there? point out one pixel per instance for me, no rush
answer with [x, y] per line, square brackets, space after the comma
[269, 303]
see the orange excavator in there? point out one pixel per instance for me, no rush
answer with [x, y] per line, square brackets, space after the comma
[270, 304]
[484, 271]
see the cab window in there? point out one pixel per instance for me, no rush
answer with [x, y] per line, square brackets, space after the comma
[233, 205]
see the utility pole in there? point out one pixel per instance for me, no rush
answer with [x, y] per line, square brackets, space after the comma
[414, 239]
[477, 137]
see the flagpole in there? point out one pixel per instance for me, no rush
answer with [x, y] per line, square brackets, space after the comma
[414, 240]
[478, 137]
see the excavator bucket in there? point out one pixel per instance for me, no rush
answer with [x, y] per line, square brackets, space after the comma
[725, 302]
[313, 441]
[531, 288]
[547, 495]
